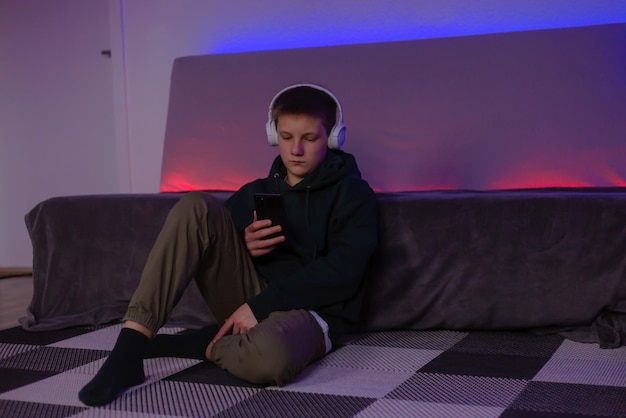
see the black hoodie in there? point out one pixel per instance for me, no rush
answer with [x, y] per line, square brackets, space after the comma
[331, 232]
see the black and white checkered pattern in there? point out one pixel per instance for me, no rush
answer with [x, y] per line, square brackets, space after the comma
[394, 374]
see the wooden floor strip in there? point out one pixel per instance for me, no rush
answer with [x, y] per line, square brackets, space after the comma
[15, 296]
[15, 272]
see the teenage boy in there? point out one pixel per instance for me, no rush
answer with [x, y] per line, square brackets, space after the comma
[281, 301]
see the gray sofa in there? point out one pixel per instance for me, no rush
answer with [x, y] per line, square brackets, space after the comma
[551, 260]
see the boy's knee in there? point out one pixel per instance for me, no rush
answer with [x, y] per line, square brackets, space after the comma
[262, 361]
[191, 201]
[197, 205]
[274, 365]
[275, 351]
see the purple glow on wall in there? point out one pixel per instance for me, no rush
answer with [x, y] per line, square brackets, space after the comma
[515, 110]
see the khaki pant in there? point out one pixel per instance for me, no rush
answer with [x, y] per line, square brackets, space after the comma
[199, 240]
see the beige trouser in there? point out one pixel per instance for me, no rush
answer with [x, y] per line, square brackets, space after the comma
[199, 240]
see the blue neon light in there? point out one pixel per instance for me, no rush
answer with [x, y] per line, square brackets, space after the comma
[366, 22]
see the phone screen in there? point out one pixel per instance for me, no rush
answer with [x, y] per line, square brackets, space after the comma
[270, 206]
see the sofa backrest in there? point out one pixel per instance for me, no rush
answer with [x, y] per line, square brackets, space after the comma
[510, 110]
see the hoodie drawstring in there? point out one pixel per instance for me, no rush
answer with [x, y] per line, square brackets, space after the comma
[308, 222]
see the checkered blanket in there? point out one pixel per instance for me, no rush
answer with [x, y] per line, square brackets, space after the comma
[394, 374]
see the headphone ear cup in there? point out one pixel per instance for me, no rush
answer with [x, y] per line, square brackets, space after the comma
[272, 134]
[337, 136]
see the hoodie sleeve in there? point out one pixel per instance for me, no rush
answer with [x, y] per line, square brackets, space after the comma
[336, 276]
[241, 207]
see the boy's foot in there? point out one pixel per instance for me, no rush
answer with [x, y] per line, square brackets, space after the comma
[121, 370]
[192, 344]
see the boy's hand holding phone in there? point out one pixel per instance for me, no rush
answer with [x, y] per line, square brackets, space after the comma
[266, 231]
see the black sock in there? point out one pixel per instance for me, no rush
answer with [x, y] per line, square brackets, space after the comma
[122, 369]
[191, 344]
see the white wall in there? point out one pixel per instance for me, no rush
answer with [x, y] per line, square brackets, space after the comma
[74, 122]
[56, 111]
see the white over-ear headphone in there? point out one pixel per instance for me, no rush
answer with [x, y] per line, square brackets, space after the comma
[337, 135]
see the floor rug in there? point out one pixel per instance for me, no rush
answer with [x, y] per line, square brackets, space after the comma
[383, 374]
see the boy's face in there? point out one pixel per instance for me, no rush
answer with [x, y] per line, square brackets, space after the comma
[302, 141]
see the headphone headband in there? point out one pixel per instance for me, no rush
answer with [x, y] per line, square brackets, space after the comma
[337, 135]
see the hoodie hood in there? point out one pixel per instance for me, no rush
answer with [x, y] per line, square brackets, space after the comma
[336, 165]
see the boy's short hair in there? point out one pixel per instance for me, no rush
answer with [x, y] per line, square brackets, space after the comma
[306, 100]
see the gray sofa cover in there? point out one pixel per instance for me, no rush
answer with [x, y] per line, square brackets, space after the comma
[546, 260]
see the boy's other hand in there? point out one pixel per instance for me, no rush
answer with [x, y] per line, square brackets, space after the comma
[239, 322]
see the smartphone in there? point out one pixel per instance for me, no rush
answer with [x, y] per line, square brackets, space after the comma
[270, 206]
